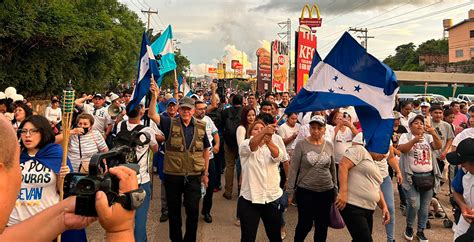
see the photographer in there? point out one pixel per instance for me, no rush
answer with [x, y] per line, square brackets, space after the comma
[117, 221]
[133, 124]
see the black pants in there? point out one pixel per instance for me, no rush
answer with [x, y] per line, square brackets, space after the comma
[313, 208]
[175, 187]
[250, 215]
[207, 201]
[359, 222]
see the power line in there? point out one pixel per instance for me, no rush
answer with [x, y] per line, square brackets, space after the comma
[342, 14]
[426, 15]
[390, 10]
[403, 14]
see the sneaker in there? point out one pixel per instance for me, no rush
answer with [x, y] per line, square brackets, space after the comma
[408, 233]
[208, 218]
[421, 236]
[164, 217]
[283, 235]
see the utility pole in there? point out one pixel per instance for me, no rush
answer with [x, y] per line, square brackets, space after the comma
[149, 12]
[287, 34]
[363, 36]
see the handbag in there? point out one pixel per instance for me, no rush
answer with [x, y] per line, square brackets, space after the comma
[335, 218]
[423, 181]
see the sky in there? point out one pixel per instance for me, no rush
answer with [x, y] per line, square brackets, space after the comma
[209, 31]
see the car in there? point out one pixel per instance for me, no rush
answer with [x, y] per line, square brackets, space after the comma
[466, 97]
[407, 97]
[433, 98]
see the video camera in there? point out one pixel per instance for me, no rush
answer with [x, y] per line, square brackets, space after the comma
[85, 186]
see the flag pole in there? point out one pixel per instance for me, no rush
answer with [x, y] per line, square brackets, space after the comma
[68, 109]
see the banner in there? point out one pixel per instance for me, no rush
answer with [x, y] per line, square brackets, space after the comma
[211, 70]
[306, 43]
[280, 65]
[264, 75]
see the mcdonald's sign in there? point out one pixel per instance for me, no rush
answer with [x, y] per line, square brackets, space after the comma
[310, 21]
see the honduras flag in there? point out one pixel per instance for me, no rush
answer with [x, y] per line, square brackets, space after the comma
[349, 76]
[164, 46]
[146, 67]
[183, 86]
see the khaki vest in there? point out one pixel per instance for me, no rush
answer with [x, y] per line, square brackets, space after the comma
[179, 160]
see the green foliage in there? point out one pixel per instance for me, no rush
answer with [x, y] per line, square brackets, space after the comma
[406, 57]
[43, 44]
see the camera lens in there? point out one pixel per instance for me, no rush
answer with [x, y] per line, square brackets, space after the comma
[86, 186]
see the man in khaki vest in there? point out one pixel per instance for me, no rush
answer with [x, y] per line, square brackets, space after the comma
[185, 166]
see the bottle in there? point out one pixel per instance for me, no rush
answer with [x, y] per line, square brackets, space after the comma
[203, 190]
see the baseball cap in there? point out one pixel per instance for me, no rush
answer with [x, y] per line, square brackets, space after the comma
[418, 116]
[186, 102]
[425, 104]
[195, 96]
[171, 100]
[464, 152]
[98, 95]
[114, 97]
[318, 119]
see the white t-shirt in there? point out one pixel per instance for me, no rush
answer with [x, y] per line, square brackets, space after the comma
[286, 131]
[211, 129]
[53, 114]
[91, 143]
[404, 121]
[142, 151]
[304, 132]
[419, 157]
[38, 191]
[101, 117]
[467, 133]
[240, 133]
[342, 141]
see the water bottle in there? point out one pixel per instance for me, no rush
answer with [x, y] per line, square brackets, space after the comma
[203, 190]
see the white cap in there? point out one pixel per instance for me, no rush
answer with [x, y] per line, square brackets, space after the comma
[114, 97]
[425, 104]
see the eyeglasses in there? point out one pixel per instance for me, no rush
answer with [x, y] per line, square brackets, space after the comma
[29, 131]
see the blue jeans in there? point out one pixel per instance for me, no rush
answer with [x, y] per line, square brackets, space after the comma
[387, 190]
[141, 214]
[418, 202]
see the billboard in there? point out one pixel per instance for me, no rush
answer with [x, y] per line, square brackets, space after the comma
[251, 72]
[280, 66]
[264, 74]
[211, 70]
[306, 42]
[310, 21]
[221, 70]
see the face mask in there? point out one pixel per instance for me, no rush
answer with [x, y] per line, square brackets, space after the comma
[86, 130]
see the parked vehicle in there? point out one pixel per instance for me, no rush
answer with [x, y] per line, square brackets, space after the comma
[466, 97]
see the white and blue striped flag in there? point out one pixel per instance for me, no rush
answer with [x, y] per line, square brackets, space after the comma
[349, 76]
[146, 67]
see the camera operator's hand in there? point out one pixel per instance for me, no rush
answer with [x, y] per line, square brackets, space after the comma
[71, 220]
[117, 221]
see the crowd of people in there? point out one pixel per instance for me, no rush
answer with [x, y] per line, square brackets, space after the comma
[314, 161]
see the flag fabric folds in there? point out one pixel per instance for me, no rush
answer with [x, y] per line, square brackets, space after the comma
[164, 46]
[349, 76]
[146, 67]
[183, 86]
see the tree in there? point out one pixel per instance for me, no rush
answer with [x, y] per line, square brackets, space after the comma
[433, 47]
[406, 58]
[45, 43]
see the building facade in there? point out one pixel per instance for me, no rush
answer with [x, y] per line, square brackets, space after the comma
[461, 40]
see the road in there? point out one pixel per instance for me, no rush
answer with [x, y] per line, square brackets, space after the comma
[223, 229]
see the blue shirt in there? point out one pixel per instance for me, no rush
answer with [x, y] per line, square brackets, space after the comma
[457, 181]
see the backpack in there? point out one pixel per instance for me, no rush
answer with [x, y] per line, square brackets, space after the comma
[231, 124]
[124, 137]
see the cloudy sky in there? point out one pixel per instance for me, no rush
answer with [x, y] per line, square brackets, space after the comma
[209, 31]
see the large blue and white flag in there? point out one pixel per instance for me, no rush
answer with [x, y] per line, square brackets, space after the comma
[164, 46]
[349, 76]
[183, 86]
[146, 67]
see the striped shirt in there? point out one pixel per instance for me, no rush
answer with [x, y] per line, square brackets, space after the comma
[91, 143]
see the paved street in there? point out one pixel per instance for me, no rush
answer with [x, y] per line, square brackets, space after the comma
[223, 228]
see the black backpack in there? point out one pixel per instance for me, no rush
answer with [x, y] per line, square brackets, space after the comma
[124, 137]
[232, 122]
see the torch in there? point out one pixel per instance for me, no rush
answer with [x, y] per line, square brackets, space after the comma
[67, 110]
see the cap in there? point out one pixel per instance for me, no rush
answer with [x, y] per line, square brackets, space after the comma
[171, 100]
[425, 104]
[98, 95]
[318, 119]
[114, 97]
[418, 116]
[195, 96]
[168, 96]
[359, 139]
[186, 102]
[464, 152]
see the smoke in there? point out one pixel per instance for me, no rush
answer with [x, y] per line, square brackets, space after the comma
[334, 7]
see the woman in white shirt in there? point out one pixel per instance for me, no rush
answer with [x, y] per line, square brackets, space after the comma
[344, 131]
[53, 113]
[289, 131]
[260, 159]
[420, 174]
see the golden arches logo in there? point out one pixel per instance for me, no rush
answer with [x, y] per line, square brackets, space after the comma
[310, 21]
[310, 11]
